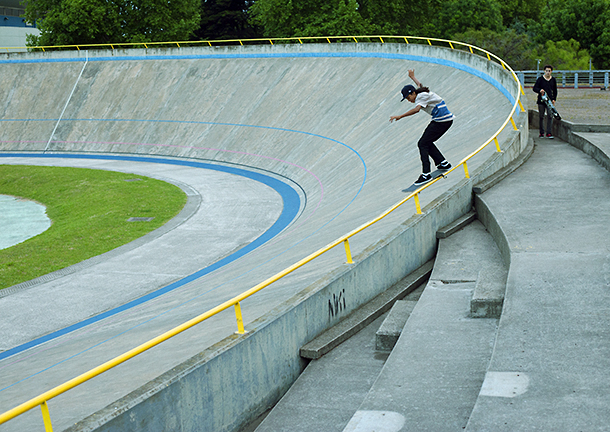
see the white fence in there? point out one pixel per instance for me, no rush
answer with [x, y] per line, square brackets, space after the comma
[570, 78]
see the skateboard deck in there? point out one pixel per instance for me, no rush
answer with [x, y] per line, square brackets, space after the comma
[435, 174]
[549, 104]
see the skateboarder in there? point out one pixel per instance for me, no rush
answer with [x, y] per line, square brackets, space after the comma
[442, 119]
[546, 84]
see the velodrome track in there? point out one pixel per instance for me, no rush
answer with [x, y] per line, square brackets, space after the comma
[280, 151]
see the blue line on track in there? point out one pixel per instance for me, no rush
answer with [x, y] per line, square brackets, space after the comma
[393, 56]
[290, 210]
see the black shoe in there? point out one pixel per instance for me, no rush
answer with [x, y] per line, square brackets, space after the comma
[541, 135]
[444, 165]
[549, 136]
[423, 178]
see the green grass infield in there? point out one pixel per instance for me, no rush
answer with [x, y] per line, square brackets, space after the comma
[89, 210]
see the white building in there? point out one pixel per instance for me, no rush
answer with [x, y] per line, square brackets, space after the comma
[13, 28]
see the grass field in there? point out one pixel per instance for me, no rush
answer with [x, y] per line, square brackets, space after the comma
[89, 211]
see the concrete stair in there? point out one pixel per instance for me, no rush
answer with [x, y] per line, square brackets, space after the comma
[418, 340]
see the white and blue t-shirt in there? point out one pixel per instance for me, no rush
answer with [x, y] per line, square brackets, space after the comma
[434, 105]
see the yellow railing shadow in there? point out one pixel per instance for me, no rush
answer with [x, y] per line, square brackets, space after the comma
[42, 399]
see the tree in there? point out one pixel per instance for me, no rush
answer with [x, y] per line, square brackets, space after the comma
[399, 17]
[293, 18]
[456, 16]
[521, 12]
[586, 21]
[225, 19]
[68, 22]
[515, 49]
[564, 55]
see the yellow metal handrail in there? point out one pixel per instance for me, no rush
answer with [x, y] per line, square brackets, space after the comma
[42, 399]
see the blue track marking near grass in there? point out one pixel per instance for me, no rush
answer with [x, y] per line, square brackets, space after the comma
[290, 210]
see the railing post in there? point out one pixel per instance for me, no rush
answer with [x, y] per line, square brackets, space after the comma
[466, 170]
[575, 80]
[417, 205]
[348, 252]
[513, 122]
[240, 320]
[46, 417]
[497, 144]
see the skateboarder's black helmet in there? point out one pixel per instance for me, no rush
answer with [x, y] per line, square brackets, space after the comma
[406, 91]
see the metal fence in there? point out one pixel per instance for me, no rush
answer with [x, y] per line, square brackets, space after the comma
[569, 78]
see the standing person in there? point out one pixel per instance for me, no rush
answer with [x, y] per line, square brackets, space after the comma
[442, 119]
[546, 84]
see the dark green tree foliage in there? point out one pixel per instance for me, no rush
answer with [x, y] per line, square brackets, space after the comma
[455, 16]
[398, 17]
[66, 22]
[521, 12]
[225, 19]
[515, 49]
[586, 21]
[289, 18]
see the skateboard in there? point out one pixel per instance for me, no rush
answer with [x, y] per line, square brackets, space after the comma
[549, 104]
[434, 174]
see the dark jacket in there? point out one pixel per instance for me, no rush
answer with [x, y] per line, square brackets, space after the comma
[549, 87]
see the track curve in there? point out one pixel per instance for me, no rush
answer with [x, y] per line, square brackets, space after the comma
[314, 117]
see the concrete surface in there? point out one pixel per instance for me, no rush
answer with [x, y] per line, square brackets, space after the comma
[545, 367]
[222, 105]
[365, 314]
[552, 346]
[331, 388]
[433, 375]
[20, 220]
[391, 328]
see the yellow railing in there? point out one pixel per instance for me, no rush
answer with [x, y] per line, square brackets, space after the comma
[42, 399]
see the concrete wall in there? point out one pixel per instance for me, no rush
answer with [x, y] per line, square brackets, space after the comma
[232, 382]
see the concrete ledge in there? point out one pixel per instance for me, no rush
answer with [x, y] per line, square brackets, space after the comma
[456, 225]
[488, 296]
[570, 132]
[504, 172]
[391, 328]
[366, 314]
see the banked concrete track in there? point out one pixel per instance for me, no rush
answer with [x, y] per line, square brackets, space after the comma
[281, 149]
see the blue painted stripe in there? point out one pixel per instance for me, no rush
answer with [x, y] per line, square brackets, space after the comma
[290, 210]
[392, 56]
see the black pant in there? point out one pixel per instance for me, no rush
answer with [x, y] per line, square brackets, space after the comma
[549, 119]
[427, 149]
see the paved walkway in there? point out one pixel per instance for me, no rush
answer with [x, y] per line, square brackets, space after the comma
[552, 346]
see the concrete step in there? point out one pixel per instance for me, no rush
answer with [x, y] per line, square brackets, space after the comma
[391, 328]
[488, 296]
[456, 225]
[489, 275]
[433, 376]
[331, 388]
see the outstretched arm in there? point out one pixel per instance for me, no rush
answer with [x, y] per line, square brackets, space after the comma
[412, 111]
[412, 76]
